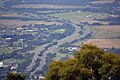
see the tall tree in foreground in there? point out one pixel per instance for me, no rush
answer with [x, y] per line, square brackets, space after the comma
[89, 63]
[15, 76]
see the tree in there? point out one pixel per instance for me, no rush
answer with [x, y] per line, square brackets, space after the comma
[53, 73]
[15, 76]
[89, 63]
[110, 68]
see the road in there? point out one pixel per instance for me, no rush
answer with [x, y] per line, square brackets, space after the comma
[36, 51]
[52, 49]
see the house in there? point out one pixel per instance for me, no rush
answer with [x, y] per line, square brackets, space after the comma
[89, 16]
[41, 77]
[1, 64]
[73, 48]
[7, 38]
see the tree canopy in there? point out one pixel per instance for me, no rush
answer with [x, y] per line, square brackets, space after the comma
[89, 63]
[15, 76]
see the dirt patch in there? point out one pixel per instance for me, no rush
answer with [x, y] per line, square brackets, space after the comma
[105, 43]
[115, 28]
[91, 21]
[102, 1]
[105, 32]
[21, 23]
[45, 6]
[11, 15]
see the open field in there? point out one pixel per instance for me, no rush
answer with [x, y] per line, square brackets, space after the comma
[115, 28]
[45, 6]
[78, 16]
[91, 21]
[11, 15]
[59, 31]
[102, 1]
[5, 50]
[21, 15]
[18, 23]
[105, 31]
[59, 56]
[72, 15]
[105, 43]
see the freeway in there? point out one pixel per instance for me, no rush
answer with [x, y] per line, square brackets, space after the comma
[54, 47]
[36, 51]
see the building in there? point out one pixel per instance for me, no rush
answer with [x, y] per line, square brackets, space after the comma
[1, 64]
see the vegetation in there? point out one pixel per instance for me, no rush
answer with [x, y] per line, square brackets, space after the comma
[89, 63]
[75, 15]
[30, 30]
[15, 76]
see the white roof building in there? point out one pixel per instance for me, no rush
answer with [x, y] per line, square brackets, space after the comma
[1, 64]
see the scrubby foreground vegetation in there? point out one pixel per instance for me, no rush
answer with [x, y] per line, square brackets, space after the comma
[15, 76]
[89, 63]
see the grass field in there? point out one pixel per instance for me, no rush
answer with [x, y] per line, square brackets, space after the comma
[105, 32]
[105, 36]
[105, 43]
[5, 50]
[59, 56]
[59, 31]
[77, 16]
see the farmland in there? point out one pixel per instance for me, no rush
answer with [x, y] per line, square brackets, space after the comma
[34, 33]
[105, 43]
[45, 6]
[105, 32]
[77, 16]
[19, 23]
[102, 2]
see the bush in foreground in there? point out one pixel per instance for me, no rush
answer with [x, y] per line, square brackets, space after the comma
[89, 63]
[15, 76]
